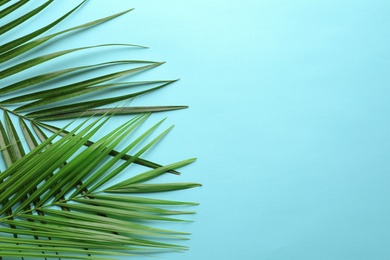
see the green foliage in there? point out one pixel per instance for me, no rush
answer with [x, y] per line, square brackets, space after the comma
[57, 197]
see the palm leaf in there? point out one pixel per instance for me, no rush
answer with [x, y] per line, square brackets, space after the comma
[32, 195]
[41, 102]
[56, 191]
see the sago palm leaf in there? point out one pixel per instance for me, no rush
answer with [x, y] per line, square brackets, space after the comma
[57, 197]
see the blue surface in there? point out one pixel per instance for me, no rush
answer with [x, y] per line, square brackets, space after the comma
[289, 119]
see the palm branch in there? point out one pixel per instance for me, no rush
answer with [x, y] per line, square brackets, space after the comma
[58, 196]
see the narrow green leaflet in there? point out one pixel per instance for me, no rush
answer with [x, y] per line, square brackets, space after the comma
[130, 206]
[71, 89]
[28, 135]
[83, 106]
[29, 82]
[12, 8]
[38, 60]
[115, 111]
[6, 148]
[47, 101]
[146, 188]
[153, 173]
[11, 25]
[3, 2]
[141, 200]
[15, 142]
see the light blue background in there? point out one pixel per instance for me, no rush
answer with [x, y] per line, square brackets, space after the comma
[289, 119]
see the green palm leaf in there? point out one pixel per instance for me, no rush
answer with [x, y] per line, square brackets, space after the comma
[49, 185]
[57, 197]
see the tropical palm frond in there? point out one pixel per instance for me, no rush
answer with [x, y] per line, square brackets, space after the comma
[36, 99]
[54, 200]
[56, 196]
